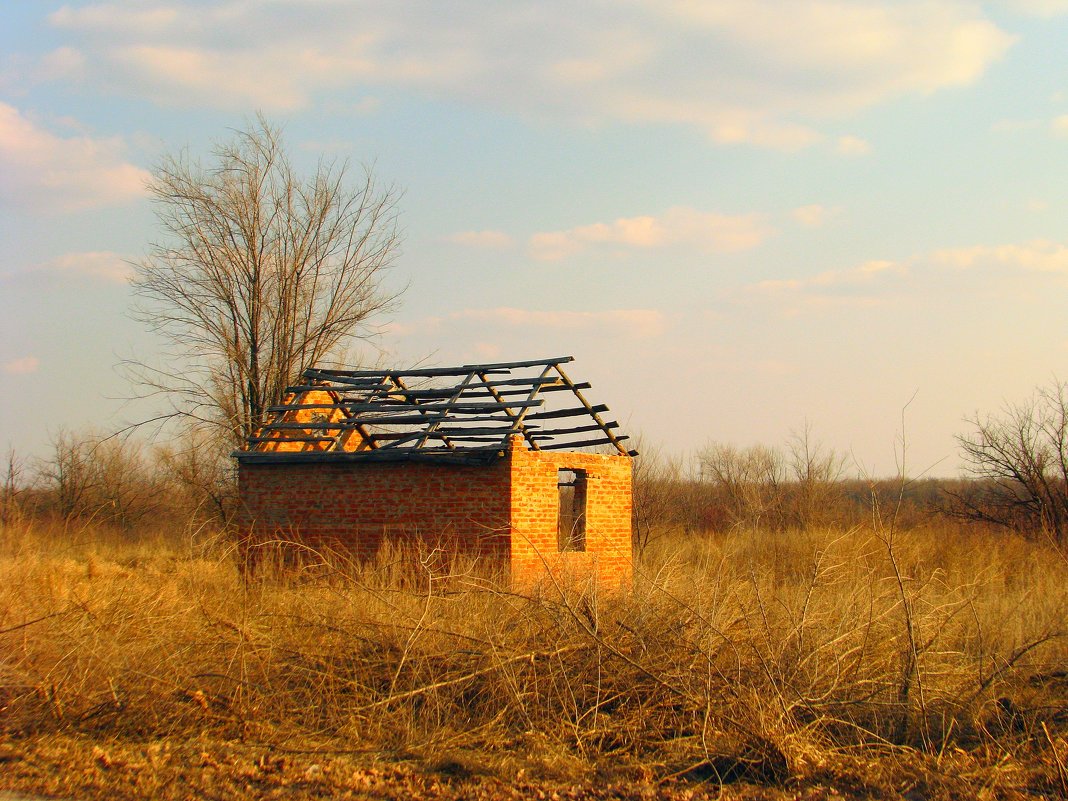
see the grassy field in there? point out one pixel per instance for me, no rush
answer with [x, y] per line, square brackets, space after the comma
[859, 663]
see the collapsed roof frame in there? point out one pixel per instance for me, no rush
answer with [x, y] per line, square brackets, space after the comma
[460, 414]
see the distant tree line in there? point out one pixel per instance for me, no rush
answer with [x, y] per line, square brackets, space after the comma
[1016, 479]
[120, 482]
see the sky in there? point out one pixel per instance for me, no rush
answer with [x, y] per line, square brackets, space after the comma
[741, 217]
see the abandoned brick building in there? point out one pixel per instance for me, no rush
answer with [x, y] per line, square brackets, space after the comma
[493, 460]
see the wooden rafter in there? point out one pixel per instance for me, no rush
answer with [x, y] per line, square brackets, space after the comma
[466, 413]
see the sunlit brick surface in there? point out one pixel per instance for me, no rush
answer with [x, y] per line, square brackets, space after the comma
[535, 506]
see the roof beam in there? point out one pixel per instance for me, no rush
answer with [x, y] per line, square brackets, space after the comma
[430, 372]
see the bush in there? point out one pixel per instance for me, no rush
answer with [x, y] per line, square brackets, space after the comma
[1019, 459]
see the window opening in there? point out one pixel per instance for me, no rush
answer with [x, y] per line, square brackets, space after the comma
[571, 520]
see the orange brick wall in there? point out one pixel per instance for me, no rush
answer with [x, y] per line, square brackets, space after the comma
[506, 511]
[535, 506]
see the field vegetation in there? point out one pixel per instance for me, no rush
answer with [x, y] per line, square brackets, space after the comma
[789, 635]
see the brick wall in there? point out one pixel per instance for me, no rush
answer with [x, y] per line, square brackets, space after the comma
[353, 507]
[506, 511]
[535, 507]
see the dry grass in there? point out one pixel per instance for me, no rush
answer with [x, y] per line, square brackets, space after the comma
[865, 663]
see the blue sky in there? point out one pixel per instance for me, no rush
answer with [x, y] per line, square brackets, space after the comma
[740, 216]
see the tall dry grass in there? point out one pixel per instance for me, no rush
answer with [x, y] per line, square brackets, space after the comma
[868, 658]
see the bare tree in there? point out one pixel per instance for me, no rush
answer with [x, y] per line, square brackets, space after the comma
[662, 495]
[194, 465]
[750, 481]
[11, 488]
[70, 477]
[816, 472]
[101, 478]
[1020, 461]
[262, 272]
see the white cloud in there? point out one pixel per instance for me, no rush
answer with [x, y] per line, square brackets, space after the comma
[485, 240]
[1040, 8]
[814, 215]
[99, 265]
[221, 78]
[487, 351]
[853, 146]
[1059, 125]
[865, 50]
[869, 285]
[366, 106]
[63, 62]
[632, 323]
[135, 18]
[48, 171]
[27, 364]
[764, 72]
[102, 266]
[1037, 256]
[867, 273]
[678, 226]
[1041, 256]
[1011, 126]
[473, 325]
[873, 282]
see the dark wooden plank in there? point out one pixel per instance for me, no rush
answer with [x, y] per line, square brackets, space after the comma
[557, 432]
[486, 387]
[483, 406]
[292, 407]
[527, 382]
[415, 372]
[483, 431]
[369, 382]
[421, 421]
[465, 369]
[447, 392]
[463, 407]
[441, 436]
[560, 446]
[502, 442]
[566, 388]
[417, 436]
[387, 406]
[323, 426]
[339, 388]
[572, 412]
[546, 388]
[290, 439]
